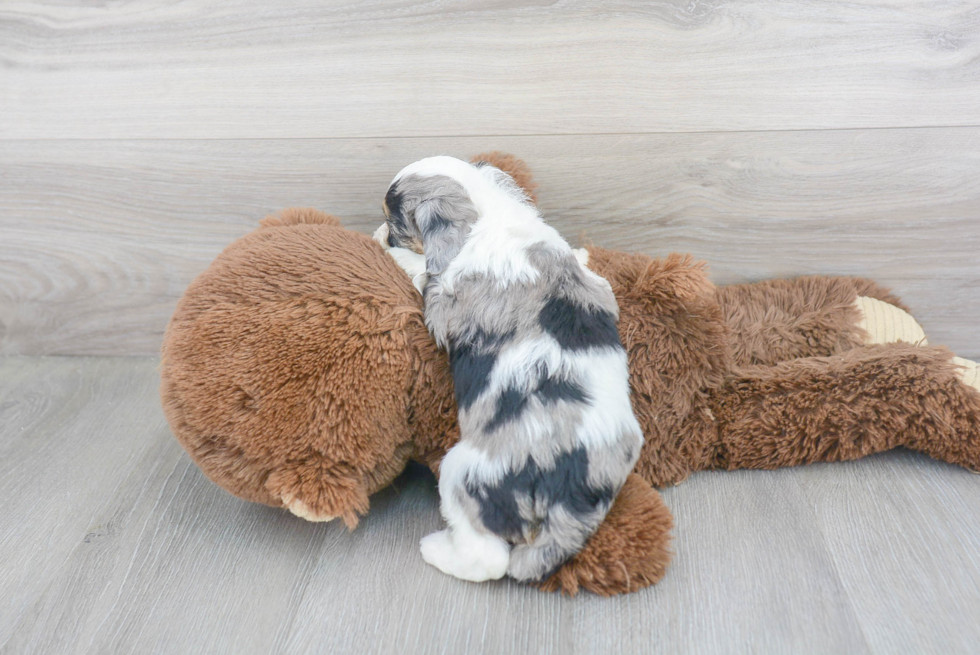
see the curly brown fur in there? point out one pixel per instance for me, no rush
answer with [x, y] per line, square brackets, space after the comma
[630, 551]
[260, 391]
[828, 409]
[778, 320]
[299, 216]
[678, 347]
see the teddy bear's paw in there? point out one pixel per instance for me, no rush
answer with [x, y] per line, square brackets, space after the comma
[886, 323]
[472, 557]
[304, 511]
[314, 491]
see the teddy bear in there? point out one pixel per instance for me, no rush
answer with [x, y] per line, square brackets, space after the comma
[297, 371]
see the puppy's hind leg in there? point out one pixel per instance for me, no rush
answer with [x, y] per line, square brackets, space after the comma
[466, 554]
[462, 550]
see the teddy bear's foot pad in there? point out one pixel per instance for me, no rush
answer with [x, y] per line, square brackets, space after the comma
[969, 372]
[885, 323]
[304, 511]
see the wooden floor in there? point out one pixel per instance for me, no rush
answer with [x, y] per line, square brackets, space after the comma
[772, 139]
[112, 541]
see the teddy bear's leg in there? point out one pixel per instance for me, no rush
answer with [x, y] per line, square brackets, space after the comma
[866, 400]
[969, 372]
[778, 320]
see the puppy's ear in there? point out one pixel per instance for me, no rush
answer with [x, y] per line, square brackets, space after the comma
[444, 224]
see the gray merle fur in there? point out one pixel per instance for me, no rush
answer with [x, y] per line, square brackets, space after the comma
[556, 488]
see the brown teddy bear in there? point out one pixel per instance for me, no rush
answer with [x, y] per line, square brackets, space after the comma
[298, 372]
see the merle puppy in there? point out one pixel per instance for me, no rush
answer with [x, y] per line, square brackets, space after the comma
[547, 431]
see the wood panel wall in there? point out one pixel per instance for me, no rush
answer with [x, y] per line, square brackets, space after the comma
[769, 138]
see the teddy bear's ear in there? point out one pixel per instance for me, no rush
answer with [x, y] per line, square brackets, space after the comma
[299, 216]
[516, 168]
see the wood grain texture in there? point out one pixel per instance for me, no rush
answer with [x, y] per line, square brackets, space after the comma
[750, 574]
[101, 238]
[72, 432]
[302, 69]
[114, 542]
[900, 548]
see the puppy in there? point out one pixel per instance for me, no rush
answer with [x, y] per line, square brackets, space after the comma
[547, 432]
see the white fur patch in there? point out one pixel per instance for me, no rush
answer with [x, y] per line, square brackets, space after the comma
[410, 261]
[610, 414]
[465, 554]
[459, 550]
[522, 361]
[413, 264]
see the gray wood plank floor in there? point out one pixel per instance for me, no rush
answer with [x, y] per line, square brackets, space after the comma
[112, 541]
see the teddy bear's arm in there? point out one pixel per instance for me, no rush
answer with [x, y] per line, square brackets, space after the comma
[869, 399]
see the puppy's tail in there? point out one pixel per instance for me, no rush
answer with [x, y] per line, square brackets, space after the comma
[561, 535]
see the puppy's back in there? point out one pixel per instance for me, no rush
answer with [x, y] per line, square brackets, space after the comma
[541, 383]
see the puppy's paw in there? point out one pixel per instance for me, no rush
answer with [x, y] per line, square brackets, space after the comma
[413, 264]
[437, 550]
[582, 255]
[479, 559]
[410, 261]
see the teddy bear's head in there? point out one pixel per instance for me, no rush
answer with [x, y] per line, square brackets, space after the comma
[285, 373]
